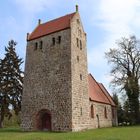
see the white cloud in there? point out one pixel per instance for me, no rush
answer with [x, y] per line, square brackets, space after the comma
[116, 18]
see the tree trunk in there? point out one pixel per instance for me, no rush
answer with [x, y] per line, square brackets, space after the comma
[1, 119]
[1, 124]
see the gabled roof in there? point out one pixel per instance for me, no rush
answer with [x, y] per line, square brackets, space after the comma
[107, 94]
[98, 93]
[51, 26]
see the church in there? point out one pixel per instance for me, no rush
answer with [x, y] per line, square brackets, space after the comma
[58, 93]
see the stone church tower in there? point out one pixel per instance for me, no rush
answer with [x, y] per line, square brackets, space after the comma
[55, 95]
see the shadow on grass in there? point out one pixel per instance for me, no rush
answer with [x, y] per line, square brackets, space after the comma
[5, 130]
[19, 130]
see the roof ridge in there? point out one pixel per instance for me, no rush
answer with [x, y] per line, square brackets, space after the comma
[103, 91]
[107, 93]
[110, 96]
[57, 18]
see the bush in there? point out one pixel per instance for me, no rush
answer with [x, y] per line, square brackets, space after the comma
[13, 121]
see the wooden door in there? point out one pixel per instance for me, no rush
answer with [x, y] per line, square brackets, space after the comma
[46, 122]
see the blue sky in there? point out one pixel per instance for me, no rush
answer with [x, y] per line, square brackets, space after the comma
[104, 21]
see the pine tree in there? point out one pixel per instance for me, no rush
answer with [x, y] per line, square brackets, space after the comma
[11, 81]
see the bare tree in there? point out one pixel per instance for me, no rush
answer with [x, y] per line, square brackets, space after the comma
[125, 62]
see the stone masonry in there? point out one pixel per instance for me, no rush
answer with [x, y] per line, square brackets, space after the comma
[47, 83]
[101, 120]
[80, 97]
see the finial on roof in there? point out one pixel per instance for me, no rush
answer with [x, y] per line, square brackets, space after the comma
[39, 21]
[27, 36]
[76, 8]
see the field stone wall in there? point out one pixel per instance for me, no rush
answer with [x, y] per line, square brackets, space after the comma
[47, 82]
[80, 94]
[101, 120]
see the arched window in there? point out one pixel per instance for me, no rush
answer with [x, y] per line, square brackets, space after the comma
[53, 41]
[41, 45]
[36, 45]
[80, 33]
[81, 111]
[78, 21]
[81, 77]
[80, 45]
[77, 40]
[92, 111]
[59, 39]
[105, 112]
[78, 58]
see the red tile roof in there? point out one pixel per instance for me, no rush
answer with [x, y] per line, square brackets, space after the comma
[51, 26]
[107, 94]
[98, 93]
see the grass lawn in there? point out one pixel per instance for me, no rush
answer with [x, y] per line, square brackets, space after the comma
[119, 133]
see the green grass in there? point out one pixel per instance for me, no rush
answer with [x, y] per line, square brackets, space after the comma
[119, 133]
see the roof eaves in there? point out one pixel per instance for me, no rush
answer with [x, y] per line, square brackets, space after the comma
[47, 34]
[99, 101]
[59, 18]
[33, 31]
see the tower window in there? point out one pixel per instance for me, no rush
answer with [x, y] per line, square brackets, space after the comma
[36, 45]
[81, 77]
[41, 45]
[80, 45]
[78, 21]
[77, 40]
[92, 111]
[59, 39]
[81, 112]
[78, 58]
[53, 41]
[105, 112]
[80, 33]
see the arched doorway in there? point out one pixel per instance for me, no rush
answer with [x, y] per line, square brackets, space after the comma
[46, 121]
[43, 120]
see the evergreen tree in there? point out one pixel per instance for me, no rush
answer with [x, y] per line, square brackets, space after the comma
[11, 81]
[127, 115]
[115, 99]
